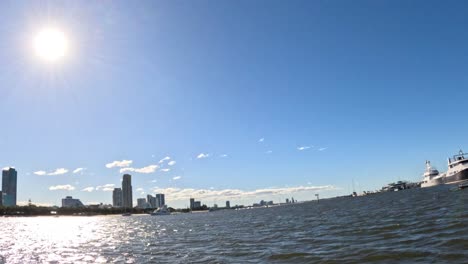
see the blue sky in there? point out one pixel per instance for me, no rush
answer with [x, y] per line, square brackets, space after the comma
[374, 88]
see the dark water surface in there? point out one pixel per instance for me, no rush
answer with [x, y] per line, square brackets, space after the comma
[421, 225]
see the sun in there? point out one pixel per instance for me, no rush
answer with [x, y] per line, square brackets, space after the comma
[50, 44]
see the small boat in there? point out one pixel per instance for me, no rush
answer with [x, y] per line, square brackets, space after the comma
[463, 185]
[161, 211]
[126, 214]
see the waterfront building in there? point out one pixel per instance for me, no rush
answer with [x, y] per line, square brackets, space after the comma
[127, 198]
[117, 198]
[197, 205]
[70, 202]
[151, 201]
[1, 198]
[9, 181]
[141, 203]
[160, 200]
[228, 204]
[192, 203]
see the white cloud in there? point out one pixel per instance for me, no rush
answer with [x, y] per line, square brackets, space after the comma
[88, 189]
[177, 178]
[165, 170]
[147, 169]
[139, 189]
[261, 140]
[269, 152]
[123, 163]
[78, 170]
[202, 156]
[177, 194]
[106, 187]
[322, 149]
[223, 156]
[164, 159]
[153, 181]
[59, 171]
[171, 163]
[303, 148]
[66, 187]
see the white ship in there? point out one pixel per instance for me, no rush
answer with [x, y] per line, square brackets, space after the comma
[457, 172]
[161, 211]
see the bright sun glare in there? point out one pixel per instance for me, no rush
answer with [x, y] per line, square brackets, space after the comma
[50, 44]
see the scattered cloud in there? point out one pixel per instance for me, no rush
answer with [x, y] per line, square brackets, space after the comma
[153, 181]
[202, 156]
[140, 190]
[303, 148]
[322, 149]
[178, 194]
[66, 187]
[106, 187]
[88, 189]
[123, 163]
[269, 152]
[78, 170]
[261, 140]
[59, 171]
[165, 170]
[164, 159]
[40, 173]
[177, 178]
[223, 156]
[171, 163]
[147, 169]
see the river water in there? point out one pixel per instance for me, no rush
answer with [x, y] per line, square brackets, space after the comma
[420, 225]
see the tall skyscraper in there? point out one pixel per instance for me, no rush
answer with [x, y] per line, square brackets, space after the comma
[192, 203]
[117, 198]
[9, 180]
[127, 198]
[160, 200]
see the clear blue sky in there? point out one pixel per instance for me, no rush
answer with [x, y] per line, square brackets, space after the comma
[374, 88]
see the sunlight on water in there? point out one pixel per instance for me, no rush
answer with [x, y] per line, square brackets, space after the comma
[418, 226]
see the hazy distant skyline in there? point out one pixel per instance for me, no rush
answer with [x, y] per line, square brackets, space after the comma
[246, 99]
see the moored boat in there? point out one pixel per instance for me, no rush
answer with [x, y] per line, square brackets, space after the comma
[457, 172]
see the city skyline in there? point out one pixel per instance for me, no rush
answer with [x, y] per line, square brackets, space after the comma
[229, 101]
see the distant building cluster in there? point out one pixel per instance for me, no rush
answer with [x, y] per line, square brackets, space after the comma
[194, 205]
[153, 202]
[9, 187]
[263, 203]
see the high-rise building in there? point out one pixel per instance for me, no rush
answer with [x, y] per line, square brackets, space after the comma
[70, 202]
[141, 203]
[192, 203]
[160, 200]
[127, 198]
[9, 180]
[117, 198]
[1, 198]
[151, 201]
[228, 204]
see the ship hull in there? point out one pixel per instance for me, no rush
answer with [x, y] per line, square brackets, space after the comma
[457, 177]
